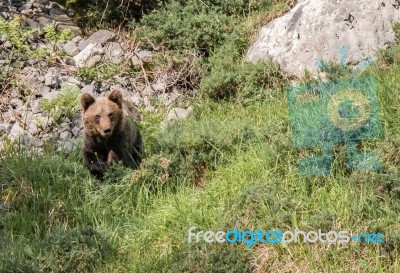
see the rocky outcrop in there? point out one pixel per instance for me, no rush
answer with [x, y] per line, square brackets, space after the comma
[70, 64]
[316, 29]
[38, 14]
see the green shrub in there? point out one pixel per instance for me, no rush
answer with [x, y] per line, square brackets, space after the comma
[190, 26]
[228, 75]
[99, 73]
[66, 105]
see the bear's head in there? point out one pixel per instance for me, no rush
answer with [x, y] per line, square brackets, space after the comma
[102, 116]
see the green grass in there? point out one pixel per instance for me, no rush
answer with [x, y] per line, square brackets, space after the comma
[230, 166]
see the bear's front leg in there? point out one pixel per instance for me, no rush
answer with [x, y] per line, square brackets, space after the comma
[95, 163]
[111, 157]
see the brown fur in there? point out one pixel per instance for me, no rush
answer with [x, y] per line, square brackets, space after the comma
[109, 133]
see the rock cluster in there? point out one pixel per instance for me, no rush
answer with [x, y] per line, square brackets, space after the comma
[38, 14]
[22, 116]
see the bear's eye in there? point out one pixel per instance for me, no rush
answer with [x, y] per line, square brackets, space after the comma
[111, 115]
[97, 118]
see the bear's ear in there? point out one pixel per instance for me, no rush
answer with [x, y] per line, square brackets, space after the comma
[116, 96]
[86, 101]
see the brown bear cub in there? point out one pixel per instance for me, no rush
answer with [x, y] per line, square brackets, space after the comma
[109, 132]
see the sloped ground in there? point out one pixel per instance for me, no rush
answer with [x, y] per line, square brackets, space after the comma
[230, 165]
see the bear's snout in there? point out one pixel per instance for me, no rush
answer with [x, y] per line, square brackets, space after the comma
[107, 132]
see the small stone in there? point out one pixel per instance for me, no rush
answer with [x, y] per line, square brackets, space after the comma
[178, 113]
[104, 87]
[43, 21]
[70, 80]
[70, 48]
[4, 127]
[93, 61]
[135, 99]
[99, 37]
[76, 39]
[75, 131]
[69, 61]
[32, 129]
[31, 23]
[7, 44]
[51, 80]
[145, 55]
[16, 131]
[50, 95]
[36, 107]
[75, 29]
[88, 89]
[66, 145]
[90, 50]
[16, 103]
[65, 135]
[114, 53]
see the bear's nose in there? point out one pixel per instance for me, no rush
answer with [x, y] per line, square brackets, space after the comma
[107, 131]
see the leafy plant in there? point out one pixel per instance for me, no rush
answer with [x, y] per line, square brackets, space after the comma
[66, 105]
[53, 35]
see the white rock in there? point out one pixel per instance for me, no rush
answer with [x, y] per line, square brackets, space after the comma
[178, 113]
[99, 37]
[90, 50]
[316, 29]
[16, 131]
[114, 53]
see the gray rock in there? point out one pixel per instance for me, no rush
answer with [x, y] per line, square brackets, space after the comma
[92, 61]
[51, 79]
[104, 87]
[178, 113]
[76, 39]
[30, 142]
[55, 9]
[43, 121]
[114, 53]
[50, 95]
[31, 23]
[16, 131]
[90, 50]
[4, 127]
[44, 21]
[75, 29]
[145, 55]
[69, 61]
[70, 80]
[160, 86]
[36, 107]
[32, 129]
[76, 131]
[142, 56]
[99, 37]
[316, 29]
[70, 48]
[65, 135]
[16, 103]
[88, 89]
[7, 44]
[66, 145]
[135, 99]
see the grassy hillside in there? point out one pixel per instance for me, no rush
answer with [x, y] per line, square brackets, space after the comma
[230, 165]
